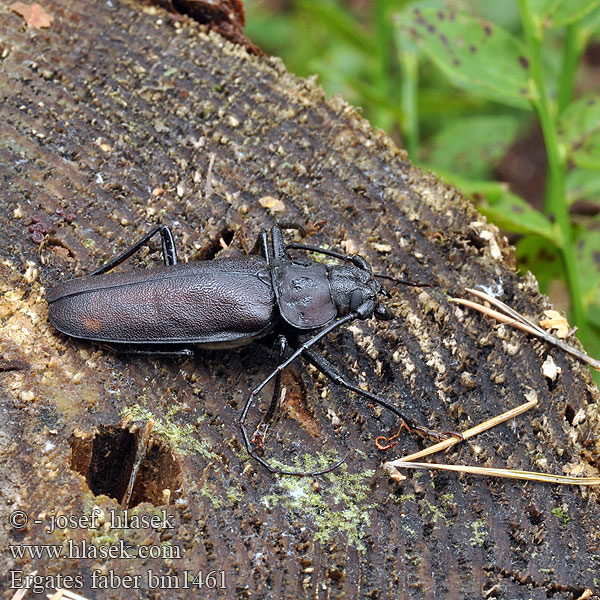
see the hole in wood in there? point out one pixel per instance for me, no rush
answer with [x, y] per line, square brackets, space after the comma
[108, 457]
[569, 414]
[222, 241]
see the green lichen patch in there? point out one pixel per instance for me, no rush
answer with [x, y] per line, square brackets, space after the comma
[436, 513]
[210, 492]
[182, 438]
[480, 533]
[234, 495]
[335, 507]
[562, 513]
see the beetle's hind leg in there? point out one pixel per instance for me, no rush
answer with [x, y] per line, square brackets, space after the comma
[168, 249]
[131, 350]
[183, 353]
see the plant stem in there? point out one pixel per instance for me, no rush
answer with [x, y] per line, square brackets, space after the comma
[555, 180]
[383, 47]
[571, 55]
[410, 120]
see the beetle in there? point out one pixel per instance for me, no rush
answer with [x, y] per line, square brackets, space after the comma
[227, 302]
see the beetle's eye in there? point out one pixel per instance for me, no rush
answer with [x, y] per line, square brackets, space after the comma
[356, 299]
[381, 312]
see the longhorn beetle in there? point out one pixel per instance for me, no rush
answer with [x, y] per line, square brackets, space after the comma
[227, 302]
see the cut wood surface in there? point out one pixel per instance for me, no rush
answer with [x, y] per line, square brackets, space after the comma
[117, 117]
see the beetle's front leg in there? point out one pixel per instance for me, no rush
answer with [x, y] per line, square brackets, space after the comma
[329, 370]
[356, 259]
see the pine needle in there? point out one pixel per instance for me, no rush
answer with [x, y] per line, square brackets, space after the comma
[512, 317]
[407, 461]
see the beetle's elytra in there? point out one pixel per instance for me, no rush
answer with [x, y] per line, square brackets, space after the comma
[222, 303]
[216, 303]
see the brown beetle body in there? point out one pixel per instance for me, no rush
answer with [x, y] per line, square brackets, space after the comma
[222, 303]
[212, 304]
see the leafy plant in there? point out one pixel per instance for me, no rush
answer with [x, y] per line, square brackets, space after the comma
[494, 79]
[487, 60]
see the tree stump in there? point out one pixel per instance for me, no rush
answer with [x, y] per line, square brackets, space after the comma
[118, 117]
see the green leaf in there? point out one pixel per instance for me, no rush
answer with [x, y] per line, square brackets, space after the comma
[371, 95]
[558, 13]
[593, 346]
[579, 132]
[538, 255]
[473, 145]
[589, 26]
[476, 55]
[583, 184]
[338, 23]
[503, 208]
[588, 265]
[511, 213]
[404, 41]
[594, 315]
[436, 103]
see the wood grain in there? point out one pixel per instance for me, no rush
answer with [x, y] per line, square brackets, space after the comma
[108, 122]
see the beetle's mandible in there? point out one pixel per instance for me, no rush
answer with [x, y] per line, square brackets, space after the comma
[226, 302]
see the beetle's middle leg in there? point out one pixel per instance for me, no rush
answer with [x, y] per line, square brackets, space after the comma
[275, 251]
[261, 246]
[297, 353]
[258, 438]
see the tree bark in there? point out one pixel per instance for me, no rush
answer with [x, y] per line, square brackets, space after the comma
[118, 117]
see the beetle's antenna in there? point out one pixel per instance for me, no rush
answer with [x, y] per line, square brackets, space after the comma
[403, 281]
[325, 251]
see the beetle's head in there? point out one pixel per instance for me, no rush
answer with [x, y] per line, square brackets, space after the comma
[354, 288]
